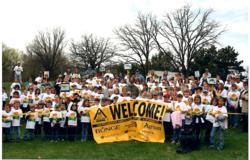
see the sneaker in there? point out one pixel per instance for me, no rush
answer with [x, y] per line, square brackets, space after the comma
[219, 148]
[211, 146]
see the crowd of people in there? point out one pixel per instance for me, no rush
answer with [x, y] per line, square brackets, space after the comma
[59, 111]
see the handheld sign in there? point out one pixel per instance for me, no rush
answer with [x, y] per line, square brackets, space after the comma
[65, 87]
[127, 66]
[197, 74]
[211, 80]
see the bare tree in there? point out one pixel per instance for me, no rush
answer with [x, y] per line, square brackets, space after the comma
[48, 48]
[92, 51]
[183, 32]
[138, 41]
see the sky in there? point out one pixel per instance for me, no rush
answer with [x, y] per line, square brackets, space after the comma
[22, 19]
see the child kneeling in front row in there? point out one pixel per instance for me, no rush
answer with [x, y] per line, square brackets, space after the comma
[220, 116]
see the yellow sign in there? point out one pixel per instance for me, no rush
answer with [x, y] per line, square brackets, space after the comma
[128, 120]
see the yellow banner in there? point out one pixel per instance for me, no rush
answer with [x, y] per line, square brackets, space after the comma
[128, 120]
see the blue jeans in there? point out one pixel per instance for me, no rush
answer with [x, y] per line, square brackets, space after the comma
[29, 134]
[6, 134]
[233, 121]
[85, 130]
[177, 134]
[55, 132]
[221, 136]
[16, 131]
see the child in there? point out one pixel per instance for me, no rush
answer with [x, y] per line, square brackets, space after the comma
[188, 113]
[181, 106]
[16, 120]
[6, 123]
[85, 120]
[205, 98]
[186, 140]
[15, 97]
[62, 130]
[176, 119]
[39, 111]
[197, 118]
[55, 118]
[24, 101]
[46, 122]
[209, 119]
[220, 114]
[198, 91]
[31, 117]
[37, 96]
[186, 94]
[167, 119]
[233, 99]
[72, 122]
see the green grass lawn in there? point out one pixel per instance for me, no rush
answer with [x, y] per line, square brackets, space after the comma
[236, 147]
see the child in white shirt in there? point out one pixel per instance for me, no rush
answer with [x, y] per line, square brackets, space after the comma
[16, 120]
[39, 111]
[168, 128]
[62, 130]
[72, 122]
[6, 123]
[31, 117]
[233, 100]
[46, 122]
[55, 118]
[197, 118]
[85, 120]
[209, 119]
[220, 114]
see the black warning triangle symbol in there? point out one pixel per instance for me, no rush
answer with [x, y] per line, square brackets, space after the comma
[100, 116]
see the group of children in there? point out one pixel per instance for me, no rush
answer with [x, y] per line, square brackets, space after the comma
[56, 123]
[186, 119]
[59, 115]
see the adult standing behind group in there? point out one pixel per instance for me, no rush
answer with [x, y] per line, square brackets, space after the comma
[18, 69]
